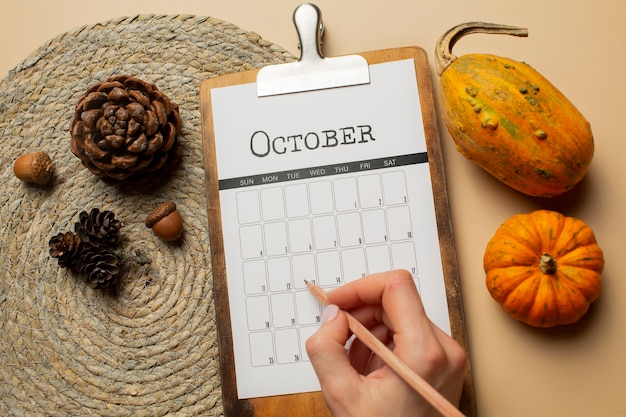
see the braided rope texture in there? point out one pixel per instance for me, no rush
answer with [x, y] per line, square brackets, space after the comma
[148, 348]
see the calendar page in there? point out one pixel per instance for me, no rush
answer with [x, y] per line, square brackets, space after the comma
[328, 196]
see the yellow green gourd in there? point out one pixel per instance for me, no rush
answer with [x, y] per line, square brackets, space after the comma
[509, 119]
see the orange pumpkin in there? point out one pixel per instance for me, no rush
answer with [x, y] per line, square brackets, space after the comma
[509, 119]
[544, 268]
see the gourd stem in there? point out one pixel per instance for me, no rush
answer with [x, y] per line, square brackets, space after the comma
[547, 264]
[443, 49]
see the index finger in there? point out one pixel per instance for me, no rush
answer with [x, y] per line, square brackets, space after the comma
[394, 290]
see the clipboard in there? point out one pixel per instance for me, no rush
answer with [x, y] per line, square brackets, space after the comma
[355, 71]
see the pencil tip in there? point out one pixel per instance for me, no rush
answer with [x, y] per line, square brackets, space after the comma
[306, 282]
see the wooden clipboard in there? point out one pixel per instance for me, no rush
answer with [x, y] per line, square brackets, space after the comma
[313, 404]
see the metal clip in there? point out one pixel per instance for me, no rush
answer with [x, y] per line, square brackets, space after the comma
[313, 71]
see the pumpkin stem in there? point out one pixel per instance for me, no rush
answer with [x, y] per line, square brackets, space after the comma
[547, 264]
[443, 50]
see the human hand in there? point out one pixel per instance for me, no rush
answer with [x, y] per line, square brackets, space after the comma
[360, 384]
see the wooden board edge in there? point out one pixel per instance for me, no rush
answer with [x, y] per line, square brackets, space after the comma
[218, 266]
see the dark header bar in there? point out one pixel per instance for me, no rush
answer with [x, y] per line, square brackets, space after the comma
[324, 171]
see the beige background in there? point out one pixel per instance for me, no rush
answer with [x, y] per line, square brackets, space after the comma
[578, 45]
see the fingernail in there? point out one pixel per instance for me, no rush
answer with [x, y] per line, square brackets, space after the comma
[330, 312]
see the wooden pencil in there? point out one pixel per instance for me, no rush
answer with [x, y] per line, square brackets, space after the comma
[383, 352]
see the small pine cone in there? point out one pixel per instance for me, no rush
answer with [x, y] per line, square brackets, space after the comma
[98, 228]
[99, 266]
[66, 248]
[124, 130]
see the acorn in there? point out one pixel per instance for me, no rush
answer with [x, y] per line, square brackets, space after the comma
[165, 221]
[34, 167]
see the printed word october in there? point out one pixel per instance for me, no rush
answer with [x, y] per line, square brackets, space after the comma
[262, 144]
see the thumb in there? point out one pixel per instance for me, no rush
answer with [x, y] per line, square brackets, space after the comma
[326, 349]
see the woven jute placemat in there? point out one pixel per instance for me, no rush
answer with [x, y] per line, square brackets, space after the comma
[149, 348]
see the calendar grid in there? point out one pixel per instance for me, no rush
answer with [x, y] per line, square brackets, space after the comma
[329, 230]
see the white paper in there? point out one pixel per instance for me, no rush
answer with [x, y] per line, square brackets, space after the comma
[326, 186]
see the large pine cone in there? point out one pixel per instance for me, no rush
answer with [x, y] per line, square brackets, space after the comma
[98, 228]
[124, 130]
[66, 248]
[99, 266]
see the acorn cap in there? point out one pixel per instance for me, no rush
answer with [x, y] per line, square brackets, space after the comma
[159, 212]
[42, 167]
